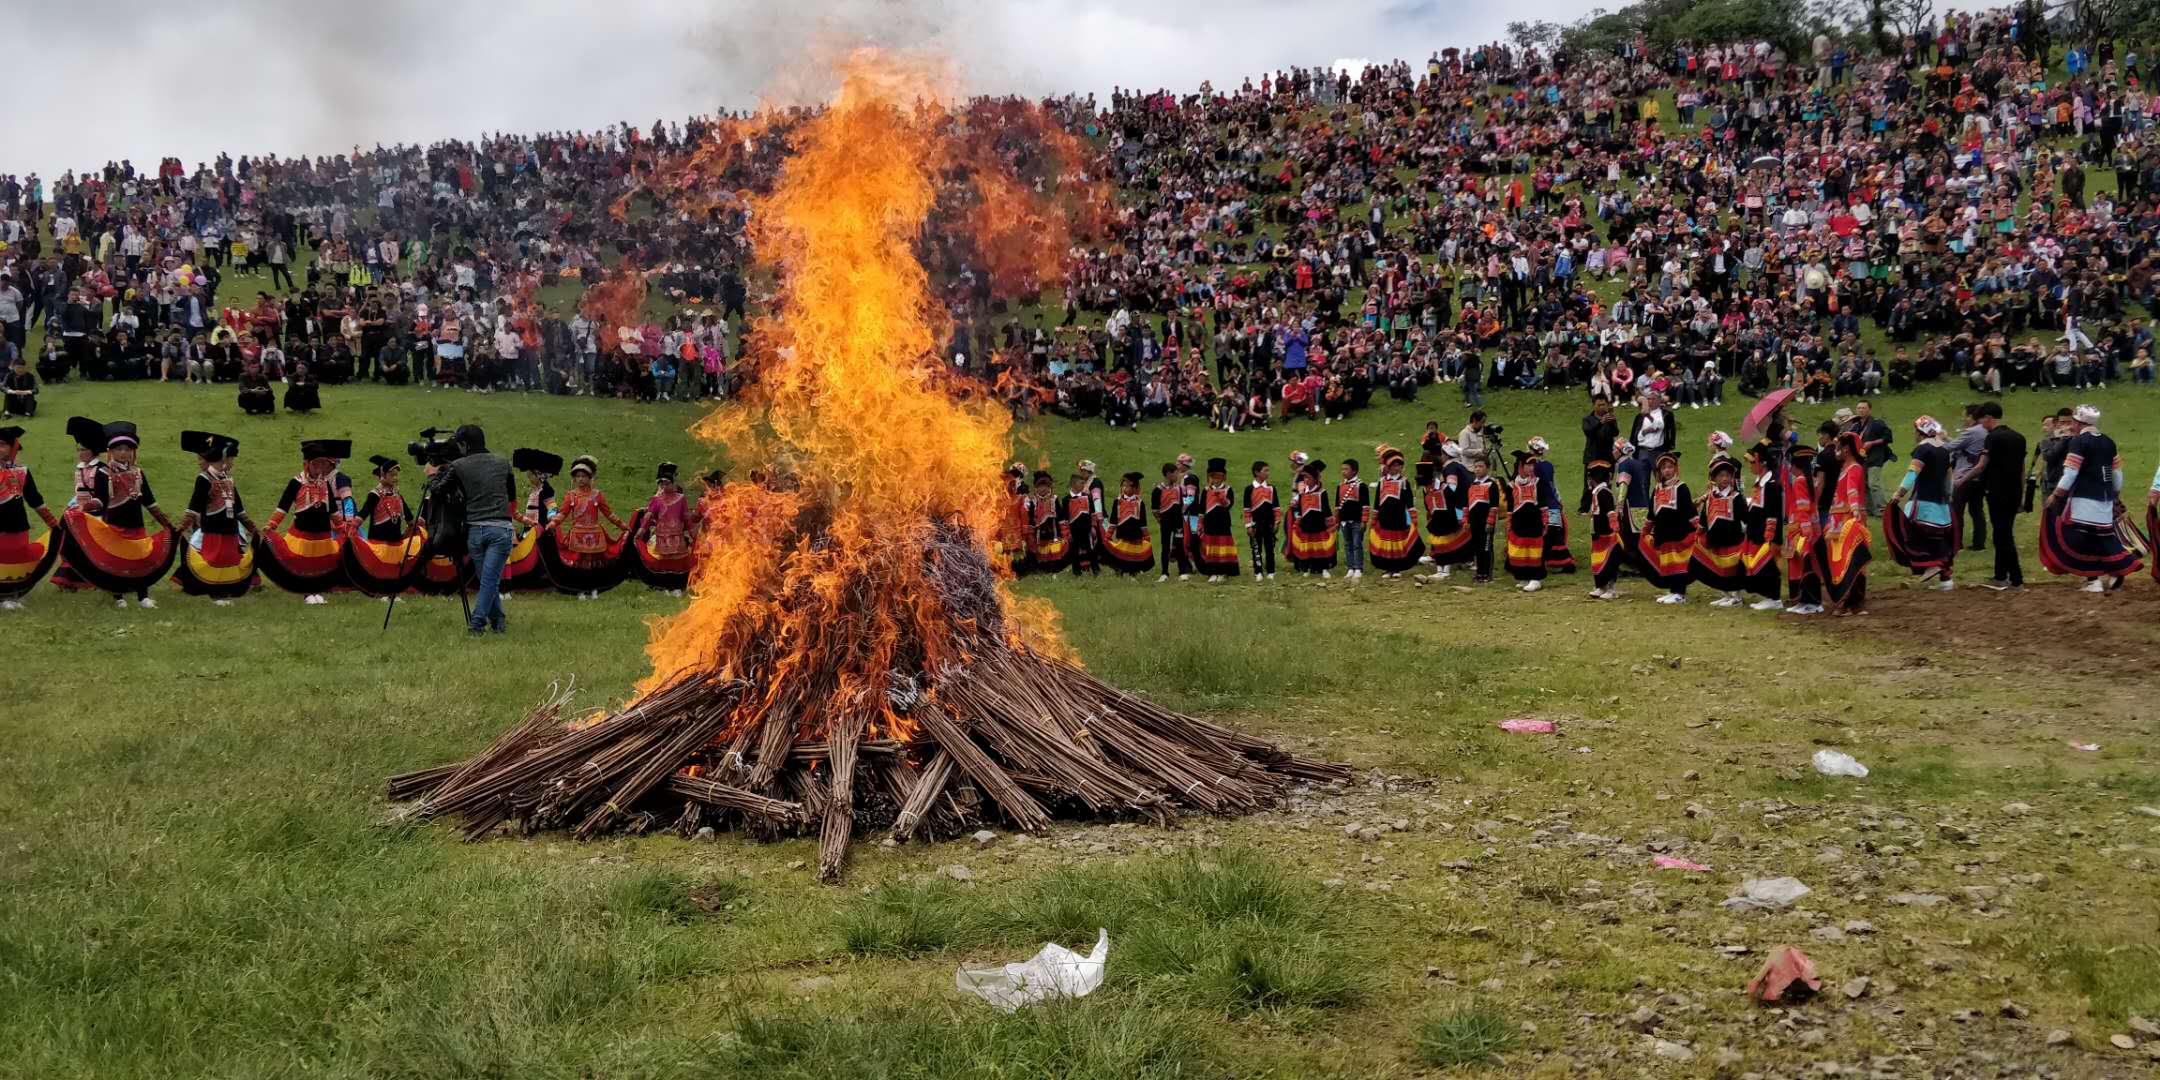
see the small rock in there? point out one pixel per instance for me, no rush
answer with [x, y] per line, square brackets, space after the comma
[956, 872]
[1674, 664]
[1856, 988]
[2014, 1011]
[1400, 825]
[2122, 1042]
[1981, 895]
[813, 984]
[2144, 1027]
[1697, 810]
[2148, 811]
[2017, 809]
[1827, 933]
[1334, 883]
[1949, 831]
[1965, 1016]
[1644, 1019]
[1907, 899]
[1691, 774]
[1669, 1050]
[1727, 1058]
[705, 832]
[1493, 985]
[985, 838]
[1351, 830]
[2057, 1037]
[1528, 1027]
[797, 864]
[1432, 972]
[1859, 926]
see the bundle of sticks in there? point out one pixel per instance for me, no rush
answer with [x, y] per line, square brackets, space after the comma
[1005, 734]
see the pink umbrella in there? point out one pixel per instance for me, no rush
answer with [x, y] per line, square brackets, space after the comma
[1751, 429]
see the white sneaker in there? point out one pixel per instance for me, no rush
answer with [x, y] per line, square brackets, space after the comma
[674, 592]
[1672, 598]
[146, 602]
[1424, 560]
[1327, 573]
[1767, 605]
[1532, 586]
[1945, 585]
[10, 605]
[2098, 585]
[1184, 577]
[1727, 600]
[1443, 571]
[316, 598]
[1213, 578]
[1162, 578]
[121, 603]
[221, 602]
[1271, 575]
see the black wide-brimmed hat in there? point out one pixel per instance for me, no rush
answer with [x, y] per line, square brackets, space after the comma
[527, 459]
[209, 445]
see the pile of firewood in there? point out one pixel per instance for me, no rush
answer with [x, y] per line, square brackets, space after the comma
[1010, 734]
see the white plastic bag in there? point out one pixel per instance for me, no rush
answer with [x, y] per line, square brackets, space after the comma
[1767, 893]
[1838, 763]
[1056, 971]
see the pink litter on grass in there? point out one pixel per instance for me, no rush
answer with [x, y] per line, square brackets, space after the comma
[1667, 862]
[1525, 724]
[1789, 975]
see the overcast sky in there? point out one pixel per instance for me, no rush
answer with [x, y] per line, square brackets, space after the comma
[92, 80]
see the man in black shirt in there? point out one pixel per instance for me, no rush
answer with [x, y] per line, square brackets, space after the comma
[1997, 473]
[1599, 431]
[488, 489]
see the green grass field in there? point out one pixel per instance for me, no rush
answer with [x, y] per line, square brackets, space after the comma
[200, 879]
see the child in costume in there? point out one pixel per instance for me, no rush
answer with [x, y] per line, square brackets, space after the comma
[1721, 535]
[1352, 497]
[663, 535]
[23, 561]
[586, 550]
[1218, 557]
[1392, 541]
[1080, 509]
[1125, 543]
[1761, 514]
[1311, 540]
[1667, 542]
[1260, 523]
[307, 557]
[218, 562]
[1844, 552]
[1918, 525]
[1046, 531]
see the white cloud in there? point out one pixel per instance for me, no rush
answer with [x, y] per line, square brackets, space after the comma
[133, 79]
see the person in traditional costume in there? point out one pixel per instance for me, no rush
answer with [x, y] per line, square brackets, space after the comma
[382, 553]
[1525, 525]
[1844, 550]
[1803, 531]
[23, 561]
[111, 548]
[1443, 481]
[2078, 532]
[1721, 534]
[1392, 542]
[1310, 542]
[1011, 539]
[1261, 505]
[1918, 525]
[218, 561]
[308, 557]
[1666, 545]
[1192, 504]
[587, 559]
[1558, 558]
[1762, 516]
[1125, 542]
[1352, 497]
[1484, 502]
[523, 569]
[1080, 509]
[1605, 531]
[663, 535]
[1217, 556]
[89, 436]
[1046, 530]
[1170, 518]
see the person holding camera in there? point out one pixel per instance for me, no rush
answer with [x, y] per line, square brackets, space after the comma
[484, 487]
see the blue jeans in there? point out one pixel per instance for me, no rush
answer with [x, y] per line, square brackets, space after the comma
[1353, 545]
[489, 546]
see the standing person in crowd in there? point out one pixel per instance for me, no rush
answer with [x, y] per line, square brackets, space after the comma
[487, 485]
[1352, 495]
[23, 562]
[107, 541]
[1391, 535]
[218, 562]
[1719, 558]
[1845, 541]
[1170, 520]
[1260, 507]
[1655, 429]
[661, 534]
[1667, 541]
[1046, 528]
[306, 558]
[1310, 539]
[1605, 531]
[1526, 535]
[1967, 498]
[1762, 515]
[586, 547]
[1559, 559]
[1483, 504]
[1217, 555]
[1803, 529]
[1998, 478]
[1875, 451]
[1919, 526]
[1080, 509]
[2078, 534]
[1473, 440]
[1125, 542]
[1599, 430]
[1442, 482]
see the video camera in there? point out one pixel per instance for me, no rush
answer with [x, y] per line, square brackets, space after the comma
[434, 447]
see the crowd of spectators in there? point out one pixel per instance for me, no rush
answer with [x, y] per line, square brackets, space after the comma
[1846, 221]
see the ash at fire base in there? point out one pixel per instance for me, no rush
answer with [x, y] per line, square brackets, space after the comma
[853, 658]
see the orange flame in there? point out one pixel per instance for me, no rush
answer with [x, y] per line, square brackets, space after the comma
[819, 572]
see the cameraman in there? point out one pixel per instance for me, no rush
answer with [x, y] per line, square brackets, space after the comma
[484, 485]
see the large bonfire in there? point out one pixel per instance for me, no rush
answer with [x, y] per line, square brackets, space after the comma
[853, 657]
